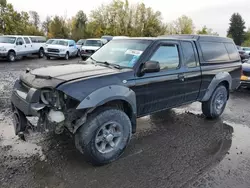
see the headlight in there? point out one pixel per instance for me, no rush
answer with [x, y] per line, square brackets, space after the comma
[2, 49]
[62, 50]
[51, 98]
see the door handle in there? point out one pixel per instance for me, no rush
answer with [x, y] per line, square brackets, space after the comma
[181, 77]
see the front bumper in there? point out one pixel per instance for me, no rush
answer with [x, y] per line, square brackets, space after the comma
[26, 99]
[245, 83]
[3, 54]
[51, 54]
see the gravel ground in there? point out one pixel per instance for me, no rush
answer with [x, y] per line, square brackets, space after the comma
[175, 148]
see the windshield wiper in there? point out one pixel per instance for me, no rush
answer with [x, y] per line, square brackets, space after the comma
[106, 63]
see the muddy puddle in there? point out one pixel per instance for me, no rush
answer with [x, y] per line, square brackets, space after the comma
[174, 148]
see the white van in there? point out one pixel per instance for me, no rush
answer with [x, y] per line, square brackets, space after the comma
[12, 46]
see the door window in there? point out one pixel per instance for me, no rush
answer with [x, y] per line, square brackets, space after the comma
[27, 40]
[167, 56]
[19, 40]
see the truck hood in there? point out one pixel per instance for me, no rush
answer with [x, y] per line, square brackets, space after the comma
[52, 76]
[6, 45]
[90, 47]
[56, 46]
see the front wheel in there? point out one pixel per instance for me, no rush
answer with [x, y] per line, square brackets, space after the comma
[215, 106]
[105, 135]
[48, 57]
[78, 53]
[11, 56]
[66, 56]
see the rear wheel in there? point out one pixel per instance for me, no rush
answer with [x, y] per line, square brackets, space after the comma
[105, 135]
[41, 53]
[215, 106]
[11, 56]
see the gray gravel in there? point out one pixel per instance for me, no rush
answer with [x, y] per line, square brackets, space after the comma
[175, 148]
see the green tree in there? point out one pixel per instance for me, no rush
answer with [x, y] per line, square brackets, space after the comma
[246, 42]
[35, 19]
[46, 25]
[184, 25]
[79, 25]
[236, 28]
[121, 18]
[207, 31]
[59, 28]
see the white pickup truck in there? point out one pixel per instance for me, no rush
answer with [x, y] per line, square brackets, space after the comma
[13, 46]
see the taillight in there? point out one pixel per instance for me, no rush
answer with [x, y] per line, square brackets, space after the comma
[243, 77]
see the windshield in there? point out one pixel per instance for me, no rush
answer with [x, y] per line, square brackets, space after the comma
[93, 43]
[246, 49]
[80, 41]
[124, 53]
[60, 42]
[10, 40]
[49, 41]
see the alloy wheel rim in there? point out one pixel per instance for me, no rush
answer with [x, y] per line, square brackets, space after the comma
[108, 137]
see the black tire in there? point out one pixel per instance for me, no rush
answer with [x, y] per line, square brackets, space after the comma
[86, 137]
[41, 53]
[48, 57]
[83, 58]
[78, 53]
[19, 121]
[66, 56]
[11, 56]
[215, 106]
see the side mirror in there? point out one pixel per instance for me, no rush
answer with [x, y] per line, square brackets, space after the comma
[151, 66]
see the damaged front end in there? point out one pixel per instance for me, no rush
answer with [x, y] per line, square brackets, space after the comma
[55, 110]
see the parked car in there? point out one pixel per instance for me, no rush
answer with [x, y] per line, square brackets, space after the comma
[98, 100]
[246, 49]
[79, 45]
[12, 46]
[90, 46]
[245, 74]
[243, 55]
[49, 41]
[61, 48]
[107, 37]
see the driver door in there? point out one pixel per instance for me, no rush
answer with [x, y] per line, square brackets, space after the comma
[164, 89]
[20, 47]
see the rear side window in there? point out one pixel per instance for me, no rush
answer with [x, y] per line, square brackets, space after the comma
[214, 51]
[232, 51]
[38, 39]
[189, 54]
[27, 40]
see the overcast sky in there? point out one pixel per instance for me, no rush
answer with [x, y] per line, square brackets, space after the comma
[214, 14]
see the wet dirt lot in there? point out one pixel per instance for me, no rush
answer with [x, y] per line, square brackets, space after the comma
[175, 148]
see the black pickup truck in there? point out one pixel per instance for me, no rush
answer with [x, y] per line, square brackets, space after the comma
[99, 100]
